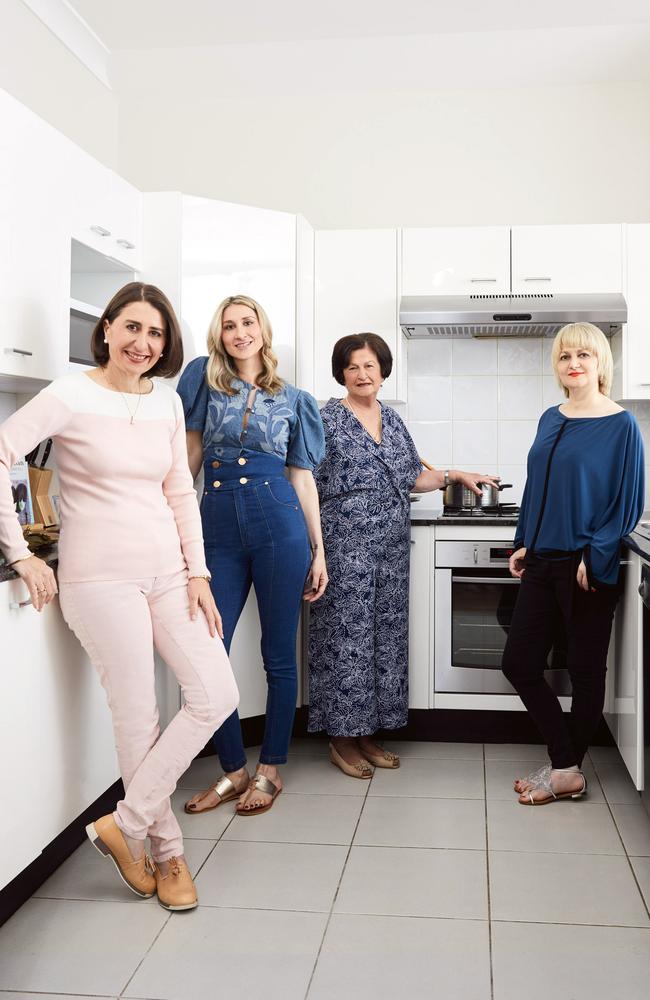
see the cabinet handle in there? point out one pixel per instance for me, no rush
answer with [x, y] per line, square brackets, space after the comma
[478, 281]
[100, 230]
[126, 244]
[14, 605]
[18, 350]
[644, 385]
[538, 279]
[508, 580]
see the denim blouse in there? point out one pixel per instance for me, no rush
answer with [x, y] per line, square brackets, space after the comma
[287, 424]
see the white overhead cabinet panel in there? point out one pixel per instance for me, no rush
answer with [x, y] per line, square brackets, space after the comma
[33, 248]
[633, 354]
[236, 249]
[568, 259]
[356, 291]
[456, 261]
[105, 210]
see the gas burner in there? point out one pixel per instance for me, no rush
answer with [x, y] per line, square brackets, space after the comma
[499, 510]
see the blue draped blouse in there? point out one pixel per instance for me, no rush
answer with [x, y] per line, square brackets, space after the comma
[287, 424]
[584, 489]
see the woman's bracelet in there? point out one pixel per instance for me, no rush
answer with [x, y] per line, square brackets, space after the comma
[198, 576]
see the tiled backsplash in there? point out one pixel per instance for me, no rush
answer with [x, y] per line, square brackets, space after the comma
[474, 405]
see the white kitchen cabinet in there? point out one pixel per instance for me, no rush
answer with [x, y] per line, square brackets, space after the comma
[455, 261]
[105, 211]
[567, 259]
[56, 736]
[624, 700]
[33, 249]
[631, 348]
[238, 249]
[200, 251]
[356, 291]
[420, 615]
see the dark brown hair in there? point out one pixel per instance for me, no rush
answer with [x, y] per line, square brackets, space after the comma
[172, 360]
[344, 347]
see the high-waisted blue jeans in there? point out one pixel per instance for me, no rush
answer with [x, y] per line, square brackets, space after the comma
[255, 532]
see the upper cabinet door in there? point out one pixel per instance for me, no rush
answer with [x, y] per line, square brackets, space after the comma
[567, 259]
[636, 355]
[451, 261]
[356, 291]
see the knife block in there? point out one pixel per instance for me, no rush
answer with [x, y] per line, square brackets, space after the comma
[39, 484]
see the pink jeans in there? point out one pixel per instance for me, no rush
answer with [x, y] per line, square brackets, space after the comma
[118, 623]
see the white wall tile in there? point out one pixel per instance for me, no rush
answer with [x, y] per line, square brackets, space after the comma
[433, 441]
[520, 397]
[515, 439]
[474, 357]
[515, 474]
[552, 395]
[8, 404]
[474, 397]
[547, 344]
[429, 357]
[429, 397]
[520, 355]
[474, 445]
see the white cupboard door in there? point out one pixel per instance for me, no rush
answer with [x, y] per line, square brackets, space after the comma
[420, 615]
[567, 259]
[636, 356]
[125, 219]
[233, 250]
[246, 661]
[56, 736]
[33, 261]
[355, 292]
[625, 703]
[456, 261]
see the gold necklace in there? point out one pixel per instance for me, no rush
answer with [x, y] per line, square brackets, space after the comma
[132, 413]
[376, 439]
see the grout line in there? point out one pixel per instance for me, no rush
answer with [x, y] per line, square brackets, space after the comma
[487, 871]
[164, 924]
[338, 886]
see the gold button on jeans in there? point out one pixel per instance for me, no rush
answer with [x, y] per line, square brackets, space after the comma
[243, 480]
[215, 465]
[241, 461]
[216, 484]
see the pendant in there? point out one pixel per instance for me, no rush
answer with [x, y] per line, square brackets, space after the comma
[131, 420]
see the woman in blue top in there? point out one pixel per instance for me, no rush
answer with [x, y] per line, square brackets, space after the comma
[244, 425]
[584, 493]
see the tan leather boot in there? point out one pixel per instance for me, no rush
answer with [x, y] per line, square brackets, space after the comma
[176, 890]
[106, 836]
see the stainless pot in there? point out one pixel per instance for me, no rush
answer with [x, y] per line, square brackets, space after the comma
[457, 495]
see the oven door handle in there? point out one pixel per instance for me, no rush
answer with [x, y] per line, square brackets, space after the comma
[485, 579]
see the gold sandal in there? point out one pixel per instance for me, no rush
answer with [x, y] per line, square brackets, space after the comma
[224, 789]
[263, 784]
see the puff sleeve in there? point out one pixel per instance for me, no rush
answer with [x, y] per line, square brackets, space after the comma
[306, 448]
[194, 393]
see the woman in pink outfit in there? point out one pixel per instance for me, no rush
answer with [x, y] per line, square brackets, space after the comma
[132, 573]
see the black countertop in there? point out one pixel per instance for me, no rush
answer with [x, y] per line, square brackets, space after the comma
[49, 555]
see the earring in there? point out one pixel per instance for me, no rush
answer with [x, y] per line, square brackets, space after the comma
[105, 340]
[162, 355]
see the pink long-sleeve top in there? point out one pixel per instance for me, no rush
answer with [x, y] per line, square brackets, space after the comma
[128, 506]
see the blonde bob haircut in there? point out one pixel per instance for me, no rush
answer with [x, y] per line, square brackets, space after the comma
[593, 340]
[221, 370]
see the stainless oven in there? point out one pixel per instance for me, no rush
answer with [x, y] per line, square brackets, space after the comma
[474, 600]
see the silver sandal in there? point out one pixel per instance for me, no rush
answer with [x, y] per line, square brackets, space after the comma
[545, 785]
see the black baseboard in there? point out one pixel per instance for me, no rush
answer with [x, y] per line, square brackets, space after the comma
[428, 725]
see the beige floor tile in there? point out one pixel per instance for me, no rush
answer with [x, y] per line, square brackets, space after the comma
[561, 827]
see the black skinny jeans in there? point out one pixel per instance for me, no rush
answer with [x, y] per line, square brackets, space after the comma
[550, 597]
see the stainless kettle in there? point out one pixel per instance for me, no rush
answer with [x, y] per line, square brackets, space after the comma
[457, 495]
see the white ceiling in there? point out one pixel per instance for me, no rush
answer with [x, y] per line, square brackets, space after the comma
[151, 24]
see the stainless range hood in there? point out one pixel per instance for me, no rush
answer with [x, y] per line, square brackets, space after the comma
[453, 316]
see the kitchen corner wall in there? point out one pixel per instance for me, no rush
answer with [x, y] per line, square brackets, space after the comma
[474, 404]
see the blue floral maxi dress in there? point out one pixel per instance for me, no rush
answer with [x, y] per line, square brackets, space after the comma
[358, 635]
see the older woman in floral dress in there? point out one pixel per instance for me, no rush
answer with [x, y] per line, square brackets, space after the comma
[358, 638]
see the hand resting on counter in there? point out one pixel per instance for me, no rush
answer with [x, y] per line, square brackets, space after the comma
[39, 579]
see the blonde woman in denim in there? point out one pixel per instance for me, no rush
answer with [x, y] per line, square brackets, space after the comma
[245, 426]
